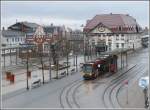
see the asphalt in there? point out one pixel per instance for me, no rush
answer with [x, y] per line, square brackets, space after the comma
[88, 95]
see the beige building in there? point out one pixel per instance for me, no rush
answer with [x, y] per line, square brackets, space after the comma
[114, 30]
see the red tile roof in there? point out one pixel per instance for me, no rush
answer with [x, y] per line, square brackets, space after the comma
[113, 22]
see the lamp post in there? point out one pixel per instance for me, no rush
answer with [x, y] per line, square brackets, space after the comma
[67, 52]
[26, 53]
[84, 43]
[41, 58]
[49, 61]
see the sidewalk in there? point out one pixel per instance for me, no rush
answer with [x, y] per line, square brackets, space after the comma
[20, 80]
[134, 92]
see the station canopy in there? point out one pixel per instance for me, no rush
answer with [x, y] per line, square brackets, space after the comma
[116, 51]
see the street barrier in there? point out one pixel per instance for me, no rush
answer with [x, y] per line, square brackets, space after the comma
[8, 75]
[12, 78]
[72, 71]
[112, 68]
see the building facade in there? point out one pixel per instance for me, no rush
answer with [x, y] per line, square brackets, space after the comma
[113, 30]
[12, 38]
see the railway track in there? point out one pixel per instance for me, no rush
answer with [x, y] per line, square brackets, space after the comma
[113, 100]
[67, 96]
[121, 86]
[113, 81]
[107, 95]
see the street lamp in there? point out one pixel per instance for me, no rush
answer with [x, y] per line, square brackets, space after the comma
[84, 42]
[50, 61]
[26, 53]
[67, 51]
[41, 58]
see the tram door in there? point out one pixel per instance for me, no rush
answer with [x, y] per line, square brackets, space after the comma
[113, 65]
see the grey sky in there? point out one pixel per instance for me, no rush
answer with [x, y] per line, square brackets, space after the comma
[72, 13]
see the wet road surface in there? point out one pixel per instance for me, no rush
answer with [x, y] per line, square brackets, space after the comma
[73, 92]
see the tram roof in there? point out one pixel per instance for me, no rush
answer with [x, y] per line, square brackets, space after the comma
[116, 51]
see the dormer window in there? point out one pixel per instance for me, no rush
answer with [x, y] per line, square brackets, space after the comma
[120, 28]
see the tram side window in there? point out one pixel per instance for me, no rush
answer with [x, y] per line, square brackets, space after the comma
[111, 61]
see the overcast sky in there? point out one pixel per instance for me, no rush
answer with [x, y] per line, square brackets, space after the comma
[73, 14]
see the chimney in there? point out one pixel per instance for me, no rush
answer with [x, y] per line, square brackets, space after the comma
[51, 24]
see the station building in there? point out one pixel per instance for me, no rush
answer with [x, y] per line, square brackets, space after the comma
[113, 30]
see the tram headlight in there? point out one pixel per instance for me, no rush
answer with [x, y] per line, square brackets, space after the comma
[90, 74]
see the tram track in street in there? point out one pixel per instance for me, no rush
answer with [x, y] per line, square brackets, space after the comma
[128, 78]
[121, 86]
[116, 81]
[67, 96]
[113, 81]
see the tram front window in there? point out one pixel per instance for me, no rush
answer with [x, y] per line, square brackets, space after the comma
[87, 68]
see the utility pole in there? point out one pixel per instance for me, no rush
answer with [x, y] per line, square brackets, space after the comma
[16, 54]
[4, 59]
[10, 57]
[67, 51]
[49, 61]
[41, 58]
[27, 63]
[76, 63]
[84, 47]
[57, 64]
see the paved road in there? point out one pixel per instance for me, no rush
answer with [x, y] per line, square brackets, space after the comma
[74, 92]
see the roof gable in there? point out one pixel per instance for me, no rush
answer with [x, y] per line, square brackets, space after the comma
[112, 21]
[11, 33]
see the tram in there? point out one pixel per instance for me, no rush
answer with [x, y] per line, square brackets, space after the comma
[100, 66]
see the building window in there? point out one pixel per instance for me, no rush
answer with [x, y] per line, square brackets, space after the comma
[117, 45]
[7, 40]
[109, 45]
[16, 39]
[93, 43]
[122, 45]
[122, 36]
[117, 37]
[119, 28]
[12, 39]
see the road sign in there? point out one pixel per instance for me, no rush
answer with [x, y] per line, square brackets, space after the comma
[126, 82]
[144, 82]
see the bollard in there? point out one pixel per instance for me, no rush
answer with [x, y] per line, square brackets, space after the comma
[112, 68]
[8, 75]
[29, 74]
[12, 78]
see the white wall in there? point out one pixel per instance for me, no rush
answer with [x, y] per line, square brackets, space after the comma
[133, 39]
[14, 40]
